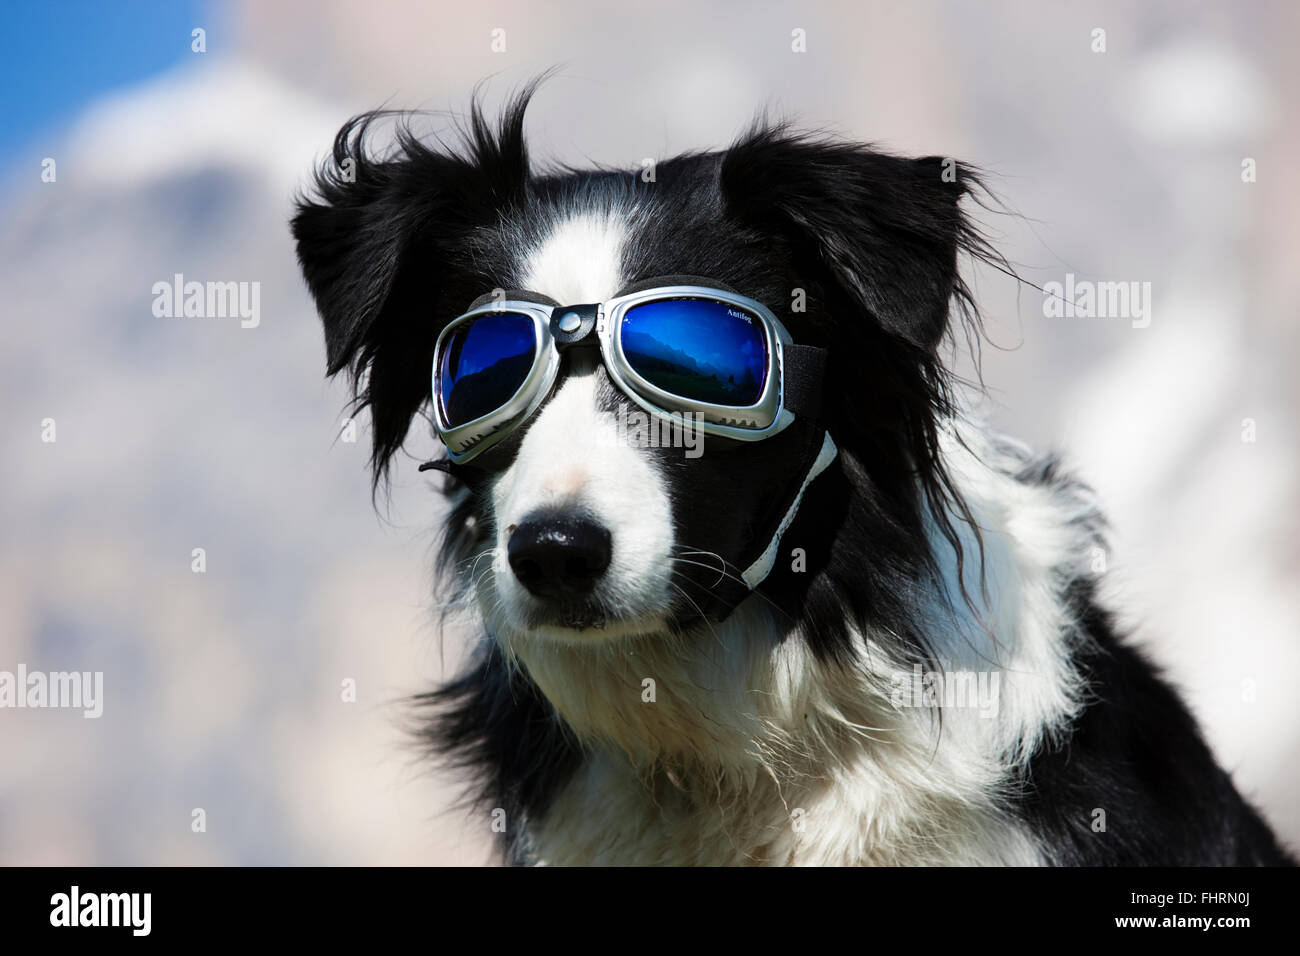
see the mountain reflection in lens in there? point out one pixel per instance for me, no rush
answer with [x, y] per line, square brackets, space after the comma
[483, 363]
[698, 349]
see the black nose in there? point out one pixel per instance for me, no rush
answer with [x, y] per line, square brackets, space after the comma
[559, 556]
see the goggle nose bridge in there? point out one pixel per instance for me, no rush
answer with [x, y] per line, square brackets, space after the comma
[575, 326]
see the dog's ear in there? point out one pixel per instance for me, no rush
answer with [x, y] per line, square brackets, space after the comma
[884, 230]
[382, 245]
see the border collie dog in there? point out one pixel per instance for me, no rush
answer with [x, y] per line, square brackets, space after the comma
[871, 637]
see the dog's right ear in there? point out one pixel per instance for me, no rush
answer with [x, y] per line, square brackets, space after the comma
[382, 245]
[352, 241]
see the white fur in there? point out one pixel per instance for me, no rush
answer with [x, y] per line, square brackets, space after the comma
[1036, 538]
[572, 457]
[751, 750]
[580, 260]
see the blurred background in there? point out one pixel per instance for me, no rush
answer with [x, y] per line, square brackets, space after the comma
[223, 689]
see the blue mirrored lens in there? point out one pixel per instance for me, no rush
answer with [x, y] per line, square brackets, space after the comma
[698, 349]
[482, 365]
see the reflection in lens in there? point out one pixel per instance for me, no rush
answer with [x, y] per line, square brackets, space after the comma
[698, 349]
[483, 363]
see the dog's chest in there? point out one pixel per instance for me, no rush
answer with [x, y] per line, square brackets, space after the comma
[609, 814]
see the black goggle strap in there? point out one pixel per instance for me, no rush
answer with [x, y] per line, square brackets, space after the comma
[803, 372]
[511, 295]
[763, 563]
[764, 553]
[801, 379]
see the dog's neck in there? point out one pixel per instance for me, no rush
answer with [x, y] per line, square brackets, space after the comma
[735, 745]
[703, 700]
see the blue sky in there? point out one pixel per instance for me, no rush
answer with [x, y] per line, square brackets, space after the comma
[58, 55]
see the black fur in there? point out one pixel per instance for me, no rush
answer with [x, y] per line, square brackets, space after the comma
[1136, 753]
[495, 724]
[873, 241]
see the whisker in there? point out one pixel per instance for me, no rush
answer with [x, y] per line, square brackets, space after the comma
[722, 563]
[733, 577]
[703, 617]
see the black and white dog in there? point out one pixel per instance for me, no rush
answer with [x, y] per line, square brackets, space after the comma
[922, 674]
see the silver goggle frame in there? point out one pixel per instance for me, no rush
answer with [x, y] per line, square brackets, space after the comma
[766, 417]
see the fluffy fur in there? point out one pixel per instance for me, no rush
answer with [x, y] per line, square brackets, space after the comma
[670, 731]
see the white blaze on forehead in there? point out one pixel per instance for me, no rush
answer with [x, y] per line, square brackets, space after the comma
[580, 260]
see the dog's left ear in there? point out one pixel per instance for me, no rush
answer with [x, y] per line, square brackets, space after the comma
[885, 230]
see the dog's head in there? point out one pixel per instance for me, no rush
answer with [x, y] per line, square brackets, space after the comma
[566, 530]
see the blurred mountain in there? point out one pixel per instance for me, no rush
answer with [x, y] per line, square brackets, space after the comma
[223, 689]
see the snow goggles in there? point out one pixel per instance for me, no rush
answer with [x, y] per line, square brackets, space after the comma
[674, 349]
